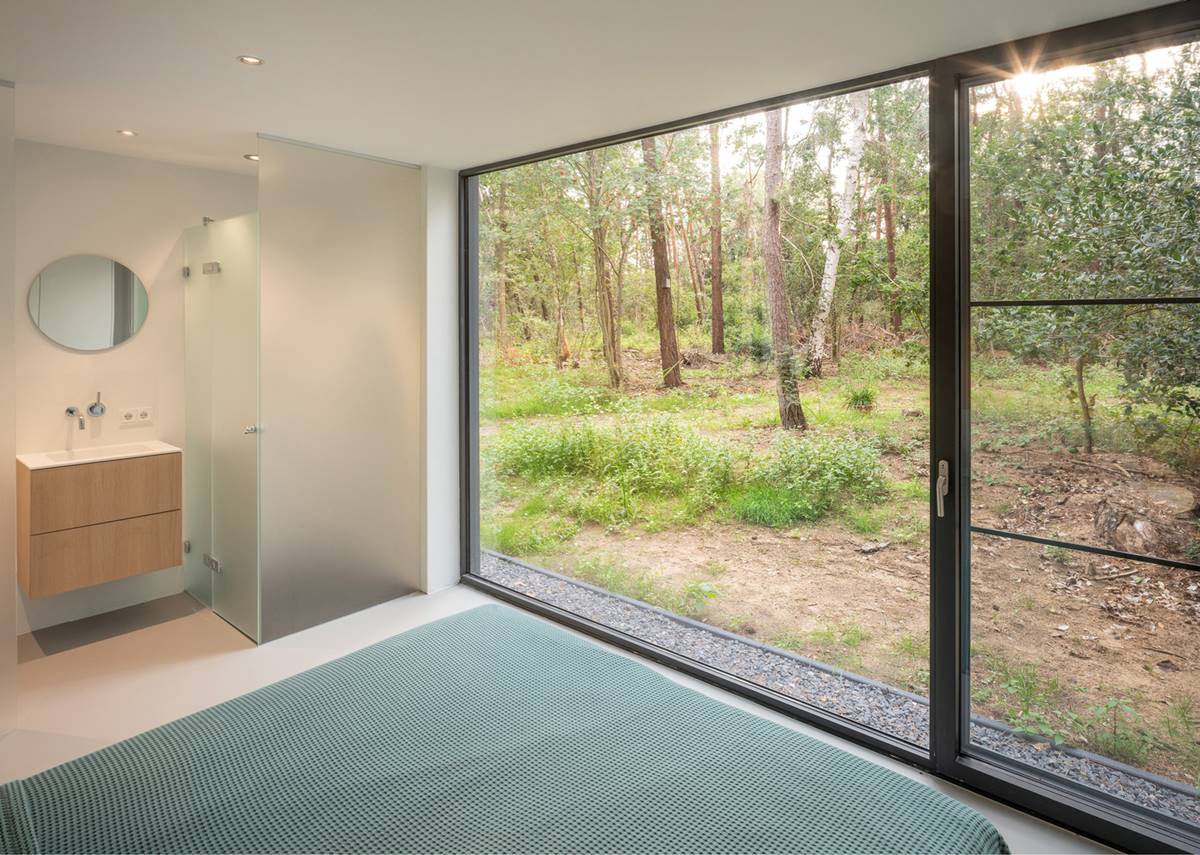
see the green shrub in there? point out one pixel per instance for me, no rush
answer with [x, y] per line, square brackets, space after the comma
[619, 462]
[861, 398]
[807, 476]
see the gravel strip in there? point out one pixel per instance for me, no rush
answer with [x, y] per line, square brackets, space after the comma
[874, 705]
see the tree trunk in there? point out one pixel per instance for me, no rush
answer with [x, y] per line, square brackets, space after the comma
[718, 299]
[1085, 406]
[502, 275]
[693, 267]
[607, 311]
[668, 347]
[833, 248]
[564, 347]
[787, 386]
[889, 229]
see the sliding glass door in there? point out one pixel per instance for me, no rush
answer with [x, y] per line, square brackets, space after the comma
[1084, 425]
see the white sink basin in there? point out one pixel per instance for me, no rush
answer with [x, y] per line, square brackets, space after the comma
[95, 454]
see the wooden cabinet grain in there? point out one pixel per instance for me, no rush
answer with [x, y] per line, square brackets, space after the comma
[90, 523]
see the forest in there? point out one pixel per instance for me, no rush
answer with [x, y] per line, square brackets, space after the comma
[704, 383]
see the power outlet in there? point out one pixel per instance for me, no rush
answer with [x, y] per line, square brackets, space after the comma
[128, 416]
[145, 414]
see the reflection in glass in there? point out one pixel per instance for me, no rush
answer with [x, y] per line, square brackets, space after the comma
[88, 302]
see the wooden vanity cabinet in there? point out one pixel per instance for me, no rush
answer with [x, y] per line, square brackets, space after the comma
[90, 523]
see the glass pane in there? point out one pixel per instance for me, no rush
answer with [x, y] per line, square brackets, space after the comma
[1086, 425]
[222, 358]
[1083, 667]
[198, 383]
[635, 464]
[1083, 180]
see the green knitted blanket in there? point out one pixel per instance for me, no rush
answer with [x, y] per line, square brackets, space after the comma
[488, 731]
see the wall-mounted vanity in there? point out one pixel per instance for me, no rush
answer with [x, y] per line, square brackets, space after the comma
[94, 515]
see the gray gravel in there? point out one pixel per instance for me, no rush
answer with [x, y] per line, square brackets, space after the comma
[891, 711]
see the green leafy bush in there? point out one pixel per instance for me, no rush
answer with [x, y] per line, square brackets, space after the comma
[630, 458]
[861, 398]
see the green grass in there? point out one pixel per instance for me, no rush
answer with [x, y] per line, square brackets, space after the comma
[690, 599]
[861, 398]
[767, 504]
[805, 477]
[911, 645]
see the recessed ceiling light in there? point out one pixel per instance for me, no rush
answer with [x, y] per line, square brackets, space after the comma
[251, 60]
[253, 157]
[125, 132]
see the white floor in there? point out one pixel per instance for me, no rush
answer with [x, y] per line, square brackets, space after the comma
[79, 700]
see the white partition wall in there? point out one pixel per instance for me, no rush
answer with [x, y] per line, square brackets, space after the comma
[442, 523]
[8, 488]
[341, 354]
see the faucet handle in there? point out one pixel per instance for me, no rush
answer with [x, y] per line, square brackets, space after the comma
[97, 409]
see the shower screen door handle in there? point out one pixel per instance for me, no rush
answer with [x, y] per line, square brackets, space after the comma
[250, 429]
[943, 487]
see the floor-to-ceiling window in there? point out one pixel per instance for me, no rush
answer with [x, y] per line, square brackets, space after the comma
[1085, 423]
[703, 386]
[718, 407]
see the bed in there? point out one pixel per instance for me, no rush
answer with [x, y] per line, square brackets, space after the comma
[487, 731]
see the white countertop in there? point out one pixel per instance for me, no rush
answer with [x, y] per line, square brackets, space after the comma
[95, 454]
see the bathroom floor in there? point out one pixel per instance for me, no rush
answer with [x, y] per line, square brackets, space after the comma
[92, 694]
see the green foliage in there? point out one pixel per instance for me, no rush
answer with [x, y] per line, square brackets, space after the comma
[691, 599]
[861, 398]
[1116, 730]
[617, 465]
[768, 504]
[807, 476]
[912, 645]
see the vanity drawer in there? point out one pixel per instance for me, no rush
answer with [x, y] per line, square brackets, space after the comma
[73, 558]
[67, 497]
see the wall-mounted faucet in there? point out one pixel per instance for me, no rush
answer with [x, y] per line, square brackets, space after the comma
[73, 413]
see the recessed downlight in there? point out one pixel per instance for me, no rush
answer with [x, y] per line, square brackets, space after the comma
[126, 132]
[253, 157]
[246, 59]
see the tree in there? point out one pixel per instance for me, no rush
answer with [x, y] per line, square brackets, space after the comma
[668, 347]
[787, 386]
[502, 273]
[608, 312]
[718, 304]
[857, 123]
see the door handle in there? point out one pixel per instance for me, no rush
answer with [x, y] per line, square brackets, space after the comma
[942, 489]
[250, 429]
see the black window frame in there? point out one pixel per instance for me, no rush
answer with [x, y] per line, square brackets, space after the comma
[950, 754]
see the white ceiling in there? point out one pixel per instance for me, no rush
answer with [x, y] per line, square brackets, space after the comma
[453, 82]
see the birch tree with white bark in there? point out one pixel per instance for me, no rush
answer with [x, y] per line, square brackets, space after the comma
[857, 128]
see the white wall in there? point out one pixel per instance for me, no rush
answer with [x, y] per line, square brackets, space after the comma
[340, 383]
[72, 202]
[440, 457]
[8, 487]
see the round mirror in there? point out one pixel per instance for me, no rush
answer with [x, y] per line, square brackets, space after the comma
[88, 302]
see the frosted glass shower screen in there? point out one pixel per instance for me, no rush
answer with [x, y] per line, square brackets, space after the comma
[221, 458]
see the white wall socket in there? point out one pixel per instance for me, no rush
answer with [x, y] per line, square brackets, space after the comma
[128, 416]
[145, 414]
